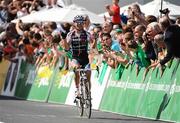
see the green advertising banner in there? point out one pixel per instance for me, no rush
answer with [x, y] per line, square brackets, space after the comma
[116, 97]
[62, 82]
[159, 94]
[40, 88]
[113, 95]
[25, 80]
[153, 96]
[171, 111]
[134, 91]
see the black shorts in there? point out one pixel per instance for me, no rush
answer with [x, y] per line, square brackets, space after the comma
[82, 60]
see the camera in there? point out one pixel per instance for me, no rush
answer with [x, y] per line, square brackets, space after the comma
[164, 11]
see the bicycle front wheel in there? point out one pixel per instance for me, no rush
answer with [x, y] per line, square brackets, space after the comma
[87, 105]
[80, 106]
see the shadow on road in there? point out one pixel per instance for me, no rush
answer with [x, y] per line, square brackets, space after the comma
[9, 98]
[126, 119]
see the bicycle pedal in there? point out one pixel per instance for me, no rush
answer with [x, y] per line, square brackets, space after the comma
[77, 97]
[75, 100]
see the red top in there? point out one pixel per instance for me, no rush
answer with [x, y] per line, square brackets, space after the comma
[116, 19]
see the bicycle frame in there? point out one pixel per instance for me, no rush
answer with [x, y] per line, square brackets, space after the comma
[84, 102]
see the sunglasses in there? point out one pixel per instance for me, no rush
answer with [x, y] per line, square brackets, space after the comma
[79, 23]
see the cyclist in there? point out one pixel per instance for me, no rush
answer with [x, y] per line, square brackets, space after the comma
[77, 41]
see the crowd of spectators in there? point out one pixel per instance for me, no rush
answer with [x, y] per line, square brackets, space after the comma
[145, 40]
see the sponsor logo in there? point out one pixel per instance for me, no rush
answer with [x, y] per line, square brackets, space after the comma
[66, 80]
[44, 82]
[31, 77]
[147, 86]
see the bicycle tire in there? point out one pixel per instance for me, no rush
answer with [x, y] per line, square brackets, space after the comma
[80, 106]
[87, 104]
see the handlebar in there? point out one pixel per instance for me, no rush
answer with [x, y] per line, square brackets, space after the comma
[86, 69]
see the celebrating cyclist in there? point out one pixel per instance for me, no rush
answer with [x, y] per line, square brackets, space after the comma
[77, 41]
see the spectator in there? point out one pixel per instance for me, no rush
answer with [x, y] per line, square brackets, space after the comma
[150, 48]
[114, 11]
[138, 35]
[113, 32]
[128, 36]
[65, 29]
[110, 47]
[52, 3]
[131, 23]
[87, 23]
[150, 18]
[140, 57]
[55, 50]
[4, 17]
[113, 45]
[119, 35]
[178, 21]
[171, 39]
[121, 57]
[152, 30]
[22, 12]
[107, 27]
[134, 12]
[159, 40]
[126, 28]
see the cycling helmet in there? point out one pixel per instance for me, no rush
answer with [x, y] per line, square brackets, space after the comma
[78, 19]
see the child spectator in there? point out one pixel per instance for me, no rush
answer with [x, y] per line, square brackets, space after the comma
[114, 11]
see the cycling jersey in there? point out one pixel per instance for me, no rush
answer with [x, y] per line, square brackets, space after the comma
[79, 46]
[78, 43]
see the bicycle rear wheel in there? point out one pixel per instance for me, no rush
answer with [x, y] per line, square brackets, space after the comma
[87, 105]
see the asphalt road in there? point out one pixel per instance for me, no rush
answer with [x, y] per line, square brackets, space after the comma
[13, 110]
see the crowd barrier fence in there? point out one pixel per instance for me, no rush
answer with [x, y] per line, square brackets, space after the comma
[153, 96]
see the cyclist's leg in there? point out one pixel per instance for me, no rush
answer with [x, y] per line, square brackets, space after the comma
[88, 73]
[75, 64]
[84, 63]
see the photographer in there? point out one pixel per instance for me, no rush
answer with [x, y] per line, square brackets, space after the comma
[164, 11]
